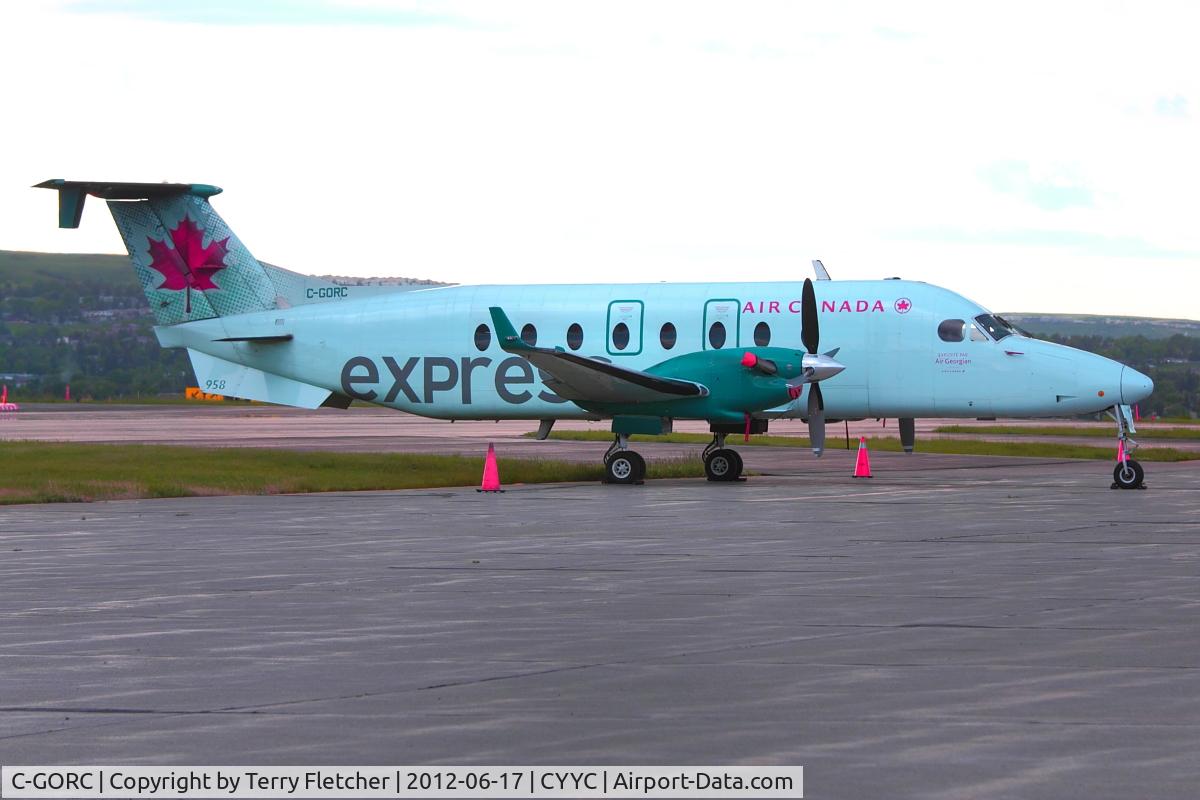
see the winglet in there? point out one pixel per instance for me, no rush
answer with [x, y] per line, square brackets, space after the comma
[506, 334]
[819, 268]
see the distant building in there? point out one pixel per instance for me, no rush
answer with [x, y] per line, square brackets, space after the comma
[349, 280]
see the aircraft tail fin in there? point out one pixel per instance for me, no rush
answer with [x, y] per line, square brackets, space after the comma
[190, 264]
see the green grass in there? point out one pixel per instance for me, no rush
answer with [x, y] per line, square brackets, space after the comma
[42, 472]
[967, 447]
[1069, 430]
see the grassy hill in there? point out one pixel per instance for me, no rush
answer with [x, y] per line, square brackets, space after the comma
[20, 269]
[1111, 327]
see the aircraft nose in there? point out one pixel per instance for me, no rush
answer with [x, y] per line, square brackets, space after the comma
[1135, 386]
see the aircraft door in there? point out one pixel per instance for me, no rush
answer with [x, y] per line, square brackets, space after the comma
[625, 319]
[721, 324]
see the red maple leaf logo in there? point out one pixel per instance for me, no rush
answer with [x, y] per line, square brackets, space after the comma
[189, 265]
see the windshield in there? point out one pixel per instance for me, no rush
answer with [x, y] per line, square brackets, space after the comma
[996, 327]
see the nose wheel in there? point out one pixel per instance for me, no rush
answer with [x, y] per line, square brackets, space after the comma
[1128, 475]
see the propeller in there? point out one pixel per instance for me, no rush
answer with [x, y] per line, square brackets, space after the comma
[810, 334]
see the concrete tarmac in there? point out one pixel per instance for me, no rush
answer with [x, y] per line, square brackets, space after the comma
[1011, 630]
[381, 429]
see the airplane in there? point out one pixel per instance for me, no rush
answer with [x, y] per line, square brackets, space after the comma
[736, 355]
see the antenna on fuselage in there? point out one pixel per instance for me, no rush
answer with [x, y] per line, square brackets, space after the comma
[819, 268]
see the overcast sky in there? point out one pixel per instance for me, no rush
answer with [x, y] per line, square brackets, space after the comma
[1035, 157]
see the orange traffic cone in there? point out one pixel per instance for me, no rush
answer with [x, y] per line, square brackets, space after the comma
[491, 473]
[862, 464]
[1121, 456]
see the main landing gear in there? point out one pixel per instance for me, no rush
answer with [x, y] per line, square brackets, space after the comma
[720, 462]
[1127, 474]
[622, 465]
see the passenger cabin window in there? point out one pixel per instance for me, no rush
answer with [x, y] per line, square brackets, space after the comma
[762, 334]
[529, 334]
[483, 337]
[716, 335]
[951, 330]
[620, 336]
[996, 327]
[575, 336]
[667, 336]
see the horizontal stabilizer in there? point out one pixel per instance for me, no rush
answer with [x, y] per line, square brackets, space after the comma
[218, 376]
[71, 194]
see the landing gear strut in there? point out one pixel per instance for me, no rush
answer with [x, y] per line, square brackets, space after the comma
[622, 465]
[720, 462]
[1128, 474]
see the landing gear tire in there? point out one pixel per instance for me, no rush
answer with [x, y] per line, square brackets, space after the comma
[1128, 475]
[723, 465]
[624, 466]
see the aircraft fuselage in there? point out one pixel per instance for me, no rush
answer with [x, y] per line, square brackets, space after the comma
[909, 349]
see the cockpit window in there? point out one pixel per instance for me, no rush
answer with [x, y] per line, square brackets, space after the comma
[951, 330]
[996, 327]
[1015, 328]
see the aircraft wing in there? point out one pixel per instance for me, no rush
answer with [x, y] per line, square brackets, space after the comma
[574, 377]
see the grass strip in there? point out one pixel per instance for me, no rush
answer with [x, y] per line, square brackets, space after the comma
[1069, 430]
[50, 472]
[965, 447]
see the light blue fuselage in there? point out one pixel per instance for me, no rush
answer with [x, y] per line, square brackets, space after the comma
[416, 351]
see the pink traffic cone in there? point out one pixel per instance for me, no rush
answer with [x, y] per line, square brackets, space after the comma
[862, 464]
[1121, 455]
[491, 473]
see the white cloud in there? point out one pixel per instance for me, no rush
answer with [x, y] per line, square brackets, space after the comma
[651, 141]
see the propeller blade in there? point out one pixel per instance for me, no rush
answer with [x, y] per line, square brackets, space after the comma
[816, 420]
[809, 331]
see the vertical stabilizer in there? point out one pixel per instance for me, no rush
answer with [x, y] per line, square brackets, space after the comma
[189, 262]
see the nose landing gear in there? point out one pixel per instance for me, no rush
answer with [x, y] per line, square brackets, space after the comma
[1128, 474]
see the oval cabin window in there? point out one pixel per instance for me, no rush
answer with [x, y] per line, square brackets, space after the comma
[620, 336]
[667, 336]
[762, 334]
[483, 337]
[529, 334]
[716, 335]
[575, 336]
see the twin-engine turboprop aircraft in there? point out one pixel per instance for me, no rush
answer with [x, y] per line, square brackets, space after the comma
[736, 355]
